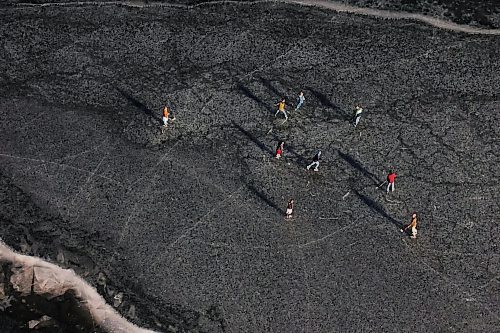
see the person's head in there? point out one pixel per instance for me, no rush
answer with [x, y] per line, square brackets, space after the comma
[291, 201]
[283, 100]
[282, 143]
[414, 215]
[319, 152]
[301, 93]
[390, 171]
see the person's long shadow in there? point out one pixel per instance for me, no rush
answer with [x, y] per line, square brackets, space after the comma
[138, 104]
[377, 208]
[252, 138]
[246, 173]
[358, 166]
[325, 101]
[267, 83]
[252, 96]
[300, 159]
[264, 198]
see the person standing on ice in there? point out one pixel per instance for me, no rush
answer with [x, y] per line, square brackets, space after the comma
[279, 149]
[391, 177]
[300, 100]
[166, 113]
[315, 161]
[357, 115]
[289, 209]
[412, 225]
[281, 108]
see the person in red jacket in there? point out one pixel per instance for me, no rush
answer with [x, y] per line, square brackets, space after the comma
[391, 177]
[279, 149]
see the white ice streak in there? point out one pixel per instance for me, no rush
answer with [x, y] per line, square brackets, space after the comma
[45, 279]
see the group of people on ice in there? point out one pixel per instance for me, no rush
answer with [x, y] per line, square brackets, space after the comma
[391, 177]
[281, 105]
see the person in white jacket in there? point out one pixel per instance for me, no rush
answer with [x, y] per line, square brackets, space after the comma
[357, 115]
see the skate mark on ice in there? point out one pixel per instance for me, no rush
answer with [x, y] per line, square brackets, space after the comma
[468, 297]
[193, 227]
[62, 165]
[136, 205]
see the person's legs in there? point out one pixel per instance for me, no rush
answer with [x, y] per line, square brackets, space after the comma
[392, 187]
[413, 232]
[316, 166]
[277, 113]
[165, 121]
[299, 104]
[286, 117]
[358, 118]
[388, 187]
[310, 165]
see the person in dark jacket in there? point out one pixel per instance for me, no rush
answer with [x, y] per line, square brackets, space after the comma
[300, 100]
[315, 161]
[289, 209]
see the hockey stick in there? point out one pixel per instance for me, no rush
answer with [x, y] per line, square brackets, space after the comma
[345, 195]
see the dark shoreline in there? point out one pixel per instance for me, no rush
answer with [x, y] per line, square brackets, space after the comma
[31, 230]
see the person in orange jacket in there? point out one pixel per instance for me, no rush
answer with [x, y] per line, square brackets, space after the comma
[281, 108]
[166, 113]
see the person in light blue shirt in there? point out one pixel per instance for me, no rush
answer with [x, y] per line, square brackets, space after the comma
[300, 100]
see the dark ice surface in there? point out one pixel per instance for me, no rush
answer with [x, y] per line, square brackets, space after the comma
[189, 224]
